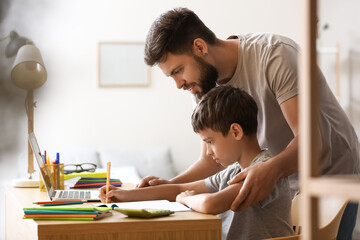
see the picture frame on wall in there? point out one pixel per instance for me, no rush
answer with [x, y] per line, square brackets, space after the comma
[121, 64]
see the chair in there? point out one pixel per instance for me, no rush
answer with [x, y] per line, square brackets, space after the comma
[330, 213]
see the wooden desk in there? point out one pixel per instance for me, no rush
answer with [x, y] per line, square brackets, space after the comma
[181, 225]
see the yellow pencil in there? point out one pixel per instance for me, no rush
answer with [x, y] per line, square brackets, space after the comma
[108, 165]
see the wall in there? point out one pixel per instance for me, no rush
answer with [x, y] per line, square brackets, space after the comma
[72, 112]
[343, 21]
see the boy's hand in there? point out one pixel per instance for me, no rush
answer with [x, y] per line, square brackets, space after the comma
[259, 181]
[111, 194]
[181, 196]
[151, 181]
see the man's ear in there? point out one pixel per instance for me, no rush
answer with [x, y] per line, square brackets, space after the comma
[200, 47]
[236, 131]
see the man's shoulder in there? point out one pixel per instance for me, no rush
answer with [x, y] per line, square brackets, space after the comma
[264, 39]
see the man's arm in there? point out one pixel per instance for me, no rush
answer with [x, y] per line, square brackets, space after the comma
[211, 203]
[202, 168]
[260, 179]
[160, 192]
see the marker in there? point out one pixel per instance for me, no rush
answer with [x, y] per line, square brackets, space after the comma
[57, 160]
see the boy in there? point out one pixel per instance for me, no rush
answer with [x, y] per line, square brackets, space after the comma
[226, 120]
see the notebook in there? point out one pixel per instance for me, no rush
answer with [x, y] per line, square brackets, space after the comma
[85, 195]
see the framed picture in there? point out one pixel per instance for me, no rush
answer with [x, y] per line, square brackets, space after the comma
[121, 64]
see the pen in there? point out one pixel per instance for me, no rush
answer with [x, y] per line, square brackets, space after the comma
[48, 202]
[57, 204]
[57, 171]
[108, 165]
[57, 160]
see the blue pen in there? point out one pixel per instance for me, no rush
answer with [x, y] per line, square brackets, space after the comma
[57, 172]
[57, 160]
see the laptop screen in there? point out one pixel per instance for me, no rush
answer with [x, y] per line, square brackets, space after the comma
[43, 168]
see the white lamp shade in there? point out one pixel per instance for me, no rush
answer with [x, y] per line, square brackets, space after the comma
[28, 71]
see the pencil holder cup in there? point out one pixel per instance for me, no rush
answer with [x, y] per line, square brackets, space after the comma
[54, 175]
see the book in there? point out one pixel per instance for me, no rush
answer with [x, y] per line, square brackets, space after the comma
[153, 204]
[66, 213]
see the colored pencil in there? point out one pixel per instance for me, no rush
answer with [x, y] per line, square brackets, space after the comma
[58, 204]
[63, 201]
[108, 165]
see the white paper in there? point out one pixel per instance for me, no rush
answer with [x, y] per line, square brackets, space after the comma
[155, 204]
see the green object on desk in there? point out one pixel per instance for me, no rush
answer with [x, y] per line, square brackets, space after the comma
[144, 213]
[85, 174]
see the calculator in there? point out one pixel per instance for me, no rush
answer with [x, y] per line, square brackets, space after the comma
[144, 213]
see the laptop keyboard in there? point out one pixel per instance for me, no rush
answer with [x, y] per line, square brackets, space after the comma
[74, 194]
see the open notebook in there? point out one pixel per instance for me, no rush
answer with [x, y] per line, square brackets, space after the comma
[85, 195]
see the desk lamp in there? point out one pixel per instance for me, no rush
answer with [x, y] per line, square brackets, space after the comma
[29, 73]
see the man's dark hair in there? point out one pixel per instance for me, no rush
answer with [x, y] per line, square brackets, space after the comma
[174, 32]
[223, 106]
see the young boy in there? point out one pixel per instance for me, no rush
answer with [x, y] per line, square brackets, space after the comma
[226, 120]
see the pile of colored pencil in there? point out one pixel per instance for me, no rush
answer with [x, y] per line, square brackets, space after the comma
[90, 182]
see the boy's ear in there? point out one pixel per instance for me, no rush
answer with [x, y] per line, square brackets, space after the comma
[200, 48]
[237, 131]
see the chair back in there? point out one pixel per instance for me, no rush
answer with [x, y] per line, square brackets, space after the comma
[330, 213]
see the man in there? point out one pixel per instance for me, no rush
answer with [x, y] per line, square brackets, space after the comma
[264, 65]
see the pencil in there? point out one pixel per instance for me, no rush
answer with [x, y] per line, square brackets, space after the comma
[57, 204]
[108, 165]
[65, 201]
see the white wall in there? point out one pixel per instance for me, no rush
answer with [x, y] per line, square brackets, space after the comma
[343, 20]
[73, 112]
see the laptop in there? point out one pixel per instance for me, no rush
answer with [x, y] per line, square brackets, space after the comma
[71, 194]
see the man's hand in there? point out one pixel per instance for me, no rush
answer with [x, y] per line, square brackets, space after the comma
[113, 191]
[151, 181]
[259, 181]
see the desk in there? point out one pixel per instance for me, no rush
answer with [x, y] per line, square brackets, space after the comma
[181, 225]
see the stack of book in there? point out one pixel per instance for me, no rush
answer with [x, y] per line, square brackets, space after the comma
[91, 182]
[67, 213]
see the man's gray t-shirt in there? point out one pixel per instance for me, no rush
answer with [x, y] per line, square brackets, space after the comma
[268, 218]
[267, 70]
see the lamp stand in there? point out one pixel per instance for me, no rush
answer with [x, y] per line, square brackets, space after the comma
[30, 115]
[29, 182]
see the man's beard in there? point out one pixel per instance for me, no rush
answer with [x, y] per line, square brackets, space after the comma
[208, 77]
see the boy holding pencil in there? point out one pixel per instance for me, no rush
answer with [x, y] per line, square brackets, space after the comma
[226, 120]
